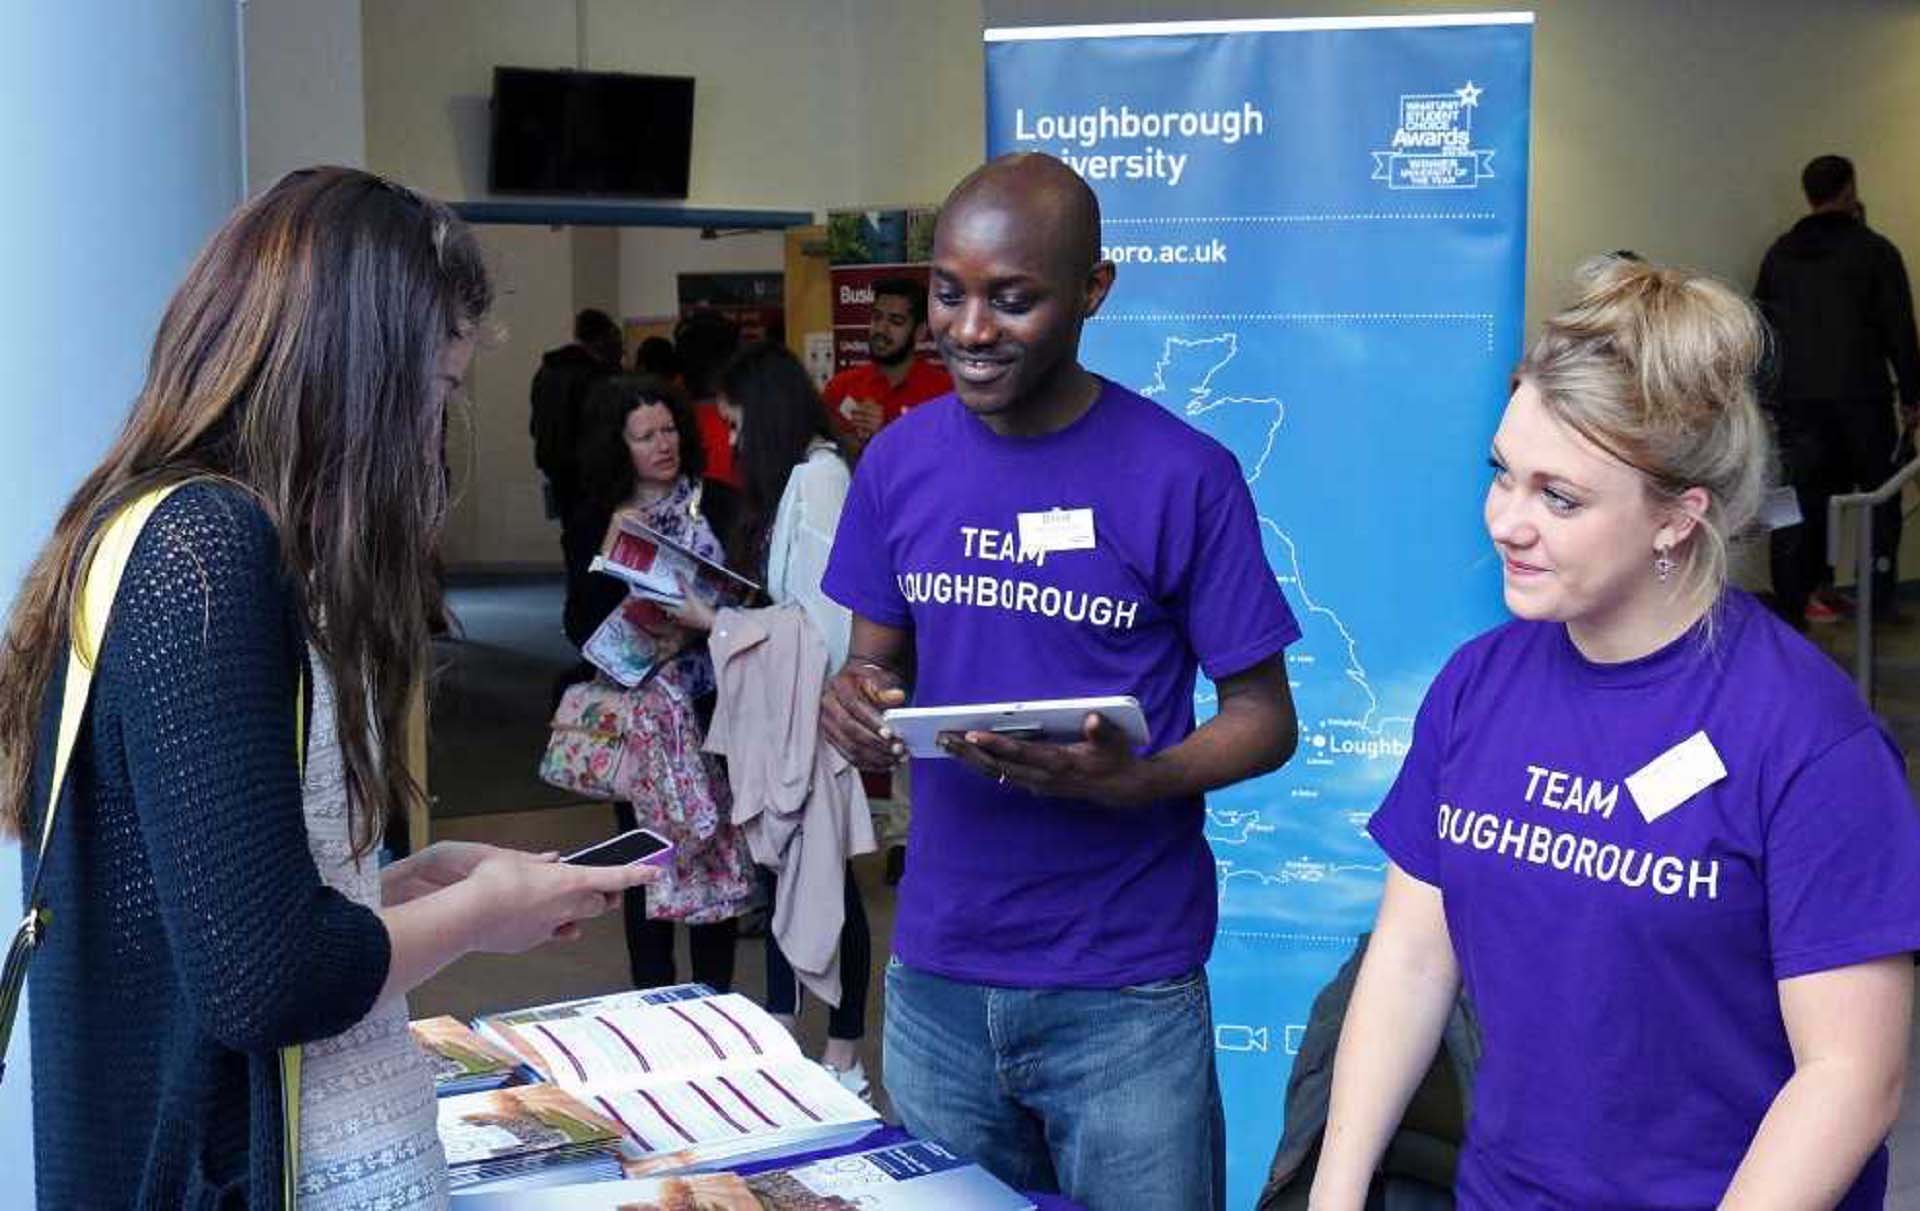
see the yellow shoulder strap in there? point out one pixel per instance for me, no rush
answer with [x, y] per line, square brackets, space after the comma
[290, 1122]
[98, 586]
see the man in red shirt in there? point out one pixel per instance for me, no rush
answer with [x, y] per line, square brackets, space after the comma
[861, 399]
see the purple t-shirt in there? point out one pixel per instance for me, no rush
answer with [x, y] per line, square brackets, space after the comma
[1003, 887]
[1624, 968]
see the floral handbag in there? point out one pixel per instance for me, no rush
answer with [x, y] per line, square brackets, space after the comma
[587, 752]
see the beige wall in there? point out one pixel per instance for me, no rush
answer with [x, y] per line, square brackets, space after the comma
[652, 260]
[803, 105]
[800, 105]
[429, 70]
[306, 103]
[497, 519]
[773, 103]
[1680, 129]
[921, 105]
[596, 269]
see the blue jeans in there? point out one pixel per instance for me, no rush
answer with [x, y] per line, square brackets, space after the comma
[1108, 1096]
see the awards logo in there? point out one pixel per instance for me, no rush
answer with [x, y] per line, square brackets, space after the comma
[1433, 146]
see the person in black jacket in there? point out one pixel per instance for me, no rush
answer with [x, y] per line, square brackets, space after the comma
[559, 393]
[1836, 294]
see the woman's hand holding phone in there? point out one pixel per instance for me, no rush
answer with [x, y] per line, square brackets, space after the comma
[515, 902]
[503, 901]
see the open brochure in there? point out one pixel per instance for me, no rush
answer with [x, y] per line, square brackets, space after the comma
[655, 566]
[912, 1176]
[505, 1132]
[692, 1083]
[462, 1061]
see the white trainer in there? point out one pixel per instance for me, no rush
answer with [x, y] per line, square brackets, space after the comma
[853, 1080]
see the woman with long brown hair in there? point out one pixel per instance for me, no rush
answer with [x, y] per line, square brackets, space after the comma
[213, 885]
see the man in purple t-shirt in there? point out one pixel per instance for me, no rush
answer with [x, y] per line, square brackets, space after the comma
[1044, 533]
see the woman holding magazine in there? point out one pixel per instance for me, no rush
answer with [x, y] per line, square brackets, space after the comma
[223, 950]
[641, 459]
[795, 480]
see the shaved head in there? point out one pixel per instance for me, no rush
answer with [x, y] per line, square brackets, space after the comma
[1040, 194]
[1016, 273]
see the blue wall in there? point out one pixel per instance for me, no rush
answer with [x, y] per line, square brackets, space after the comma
[120, 140]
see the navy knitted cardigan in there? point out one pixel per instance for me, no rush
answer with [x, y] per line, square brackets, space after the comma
[192, 935]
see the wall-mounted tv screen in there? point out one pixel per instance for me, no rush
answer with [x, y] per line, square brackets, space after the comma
[607, 134]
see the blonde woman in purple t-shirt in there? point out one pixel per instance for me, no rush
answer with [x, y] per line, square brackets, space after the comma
[1652, 834]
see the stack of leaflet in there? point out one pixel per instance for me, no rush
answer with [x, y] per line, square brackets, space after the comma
[691, 1192]
[525, 1131]
[461, 1060]
[693, 1083]
[913, 1176]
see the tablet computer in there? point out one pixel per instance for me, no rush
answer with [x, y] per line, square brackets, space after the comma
[1059, 720]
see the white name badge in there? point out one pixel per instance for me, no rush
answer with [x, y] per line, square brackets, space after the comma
[1056, 530]
[1675, 776]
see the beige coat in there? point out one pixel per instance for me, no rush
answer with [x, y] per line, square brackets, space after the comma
[797, 800]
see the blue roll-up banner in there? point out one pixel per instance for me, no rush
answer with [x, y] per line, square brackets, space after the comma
[1319, 228]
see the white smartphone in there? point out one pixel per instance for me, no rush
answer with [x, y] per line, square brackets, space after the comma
[1058, 720]
[634, 845]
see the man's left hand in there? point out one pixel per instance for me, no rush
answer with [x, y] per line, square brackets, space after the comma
[1100, 767]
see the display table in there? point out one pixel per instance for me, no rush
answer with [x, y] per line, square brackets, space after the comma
[882, 1137]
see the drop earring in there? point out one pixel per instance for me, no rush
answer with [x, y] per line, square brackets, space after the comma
[1663, 564]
